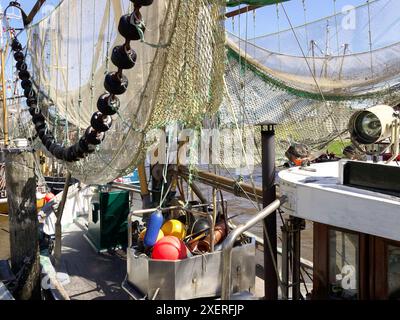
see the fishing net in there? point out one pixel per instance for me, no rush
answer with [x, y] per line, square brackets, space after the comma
[350, 53]
[177, 76]
[312, 97]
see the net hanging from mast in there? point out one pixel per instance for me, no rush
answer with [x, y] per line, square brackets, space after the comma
[178, 73]
[269, 79]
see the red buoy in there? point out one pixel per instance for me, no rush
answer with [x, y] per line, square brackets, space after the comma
[48, 197]
[169, 248]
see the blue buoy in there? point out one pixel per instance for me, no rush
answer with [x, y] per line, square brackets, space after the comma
[153, 228]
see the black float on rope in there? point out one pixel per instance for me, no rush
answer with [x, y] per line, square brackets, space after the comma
[131, 27]
[116, 84]
[100, 122]
[142, 3]
[108, 104]
[123, 58]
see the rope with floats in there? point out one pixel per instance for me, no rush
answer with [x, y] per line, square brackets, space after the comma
[132, 28]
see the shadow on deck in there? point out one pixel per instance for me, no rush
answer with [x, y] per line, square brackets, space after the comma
[93, 276]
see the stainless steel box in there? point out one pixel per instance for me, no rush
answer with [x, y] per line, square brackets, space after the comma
[195, 277]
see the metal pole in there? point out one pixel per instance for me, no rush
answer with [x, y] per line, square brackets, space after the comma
[4, 96]
[34, 11]
[242, 10]
[228, 243]
[297, 225]
[144, 188]
[285, 260]
[58, 227]
[269, 196]
[223, 183]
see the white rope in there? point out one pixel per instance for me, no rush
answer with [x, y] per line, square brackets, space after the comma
[312, 74]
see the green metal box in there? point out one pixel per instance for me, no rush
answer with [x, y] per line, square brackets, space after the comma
[107, 225]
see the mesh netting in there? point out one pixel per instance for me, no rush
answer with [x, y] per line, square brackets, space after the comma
[255, 97]
[353, 52]
[179, 68]
[310, 79]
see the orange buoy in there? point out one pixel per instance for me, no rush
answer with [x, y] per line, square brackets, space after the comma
[169, 248]
[48, 197]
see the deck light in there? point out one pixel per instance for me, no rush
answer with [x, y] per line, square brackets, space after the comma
[375, 125]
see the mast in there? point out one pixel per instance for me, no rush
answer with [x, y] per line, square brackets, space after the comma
[21, 186]
[3, 85]
[4, 98]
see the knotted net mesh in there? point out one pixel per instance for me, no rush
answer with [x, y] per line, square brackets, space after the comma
[177, 76]
[310, 79]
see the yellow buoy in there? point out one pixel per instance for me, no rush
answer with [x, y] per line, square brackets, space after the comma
[143, 233]
[174, 228]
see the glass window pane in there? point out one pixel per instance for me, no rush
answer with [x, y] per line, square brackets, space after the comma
[343, 264]
[394, 272]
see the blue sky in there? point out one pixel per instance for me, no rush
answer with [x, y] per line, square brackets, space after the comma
[266, 19]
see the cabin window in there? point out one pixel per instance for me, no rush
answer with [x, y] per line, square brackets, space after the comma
[394, 272]
[343, 264]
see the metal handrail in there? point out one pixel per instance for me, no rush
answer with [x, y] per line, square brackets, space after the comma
[228, 243]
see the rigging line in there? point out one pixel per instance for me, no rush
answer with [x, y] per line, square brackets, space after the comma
[236, 89]
[55, 37]
[313, 22]
[246, 113]
[238, 184]
[279, 27]
[108, 38]
[254, 26]
[370, 36]
[243, 149]
[371, 17]
[315, 80]
[274, 262]
[305, 23]
[354, 9]
[336, 26]
[80, 71]
[165, 169]
[356, 56]
[93, 58]
[243, 104]
[66, 138]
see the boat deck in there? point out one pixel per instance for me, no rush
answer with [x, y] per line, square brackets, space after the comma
[92, 275]
[98, 276]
